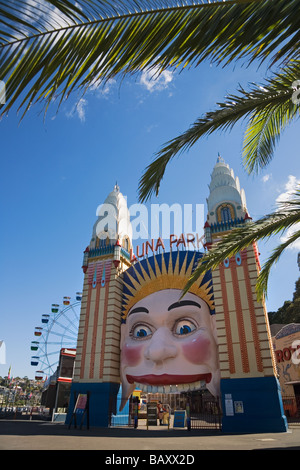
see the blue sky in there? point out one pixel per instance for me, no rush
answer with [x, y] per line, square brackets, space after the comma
[55, 172]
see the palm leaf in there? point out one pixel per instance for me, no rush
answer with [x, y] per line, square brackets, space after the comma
[269, 108]
[267, 123]
[287, 216]
[262, 280]
[49, 48]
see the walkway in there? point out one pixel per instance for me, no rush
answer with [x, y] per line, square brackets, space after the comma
[39, 435]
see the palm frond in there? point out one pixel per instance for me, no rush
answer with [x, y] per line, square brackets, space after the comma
[263, 278]
[49, 48]
[267, 123]
[269, 107]
[240, 238]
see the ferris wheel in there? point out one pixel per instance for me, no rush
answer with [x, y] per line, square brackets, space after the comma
[58, 330]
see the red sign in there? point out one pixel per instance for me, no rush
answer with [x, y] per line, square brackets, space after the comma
[81, 402]
[183, 240]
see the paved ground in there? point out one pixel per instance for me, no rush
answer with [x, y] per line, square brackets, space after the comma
[43, 435]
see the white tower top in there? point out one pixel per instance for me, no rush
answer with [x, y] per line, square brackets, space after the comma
[225, 187]
[226, 203]
[113, 221]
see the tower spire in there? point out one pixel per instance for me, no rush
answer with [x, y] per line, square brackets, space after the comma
[226, 203]
[219, 159]
[98, 354]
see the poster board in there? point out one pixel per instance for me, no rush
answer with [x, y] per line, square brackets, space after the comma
[228, 405]
[81, 409]
[179, 419]
[151, 414]
[81, 403]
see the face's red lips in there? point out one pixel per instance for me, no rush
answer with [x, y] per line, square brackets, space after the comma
[166, 379]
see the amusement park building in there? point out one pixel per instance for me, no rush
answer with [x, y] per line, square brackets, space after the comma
[286, 344]
[235, 360]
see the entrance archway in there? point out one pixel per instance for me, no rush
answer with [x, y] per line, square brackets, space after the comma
[202, 410]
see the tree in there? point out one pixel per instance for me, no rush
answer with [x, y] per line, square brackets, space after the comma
[289, 312]
[50, 48]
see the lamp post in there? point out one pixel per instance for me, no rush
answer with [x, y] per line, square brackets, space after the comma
[117, 253]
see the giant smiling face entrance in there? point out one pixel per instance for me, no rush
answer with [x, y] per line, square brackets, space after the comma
[168, 343]
[135, 329]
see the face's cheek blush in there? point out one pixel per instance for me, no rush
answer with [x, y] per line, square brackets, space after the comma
[197, 350]
[131, 355]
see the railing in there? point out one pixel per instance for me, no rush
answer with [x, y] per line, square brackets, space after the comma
[206, 415]
[128, 417]
[223, 226]
[103, 250]
[25, 412]
[106, 250]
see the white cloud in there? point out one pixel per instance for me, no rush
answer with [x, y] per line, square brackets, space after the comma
[152, 80]
[78, 110]
[266, 178]
[290, 187]
[151, 127]
[96, 89]
[103, 91]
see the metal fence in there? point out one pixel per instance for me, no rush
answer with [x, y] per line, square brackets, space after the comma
[25, 412]
[127, 417]
[206, 413]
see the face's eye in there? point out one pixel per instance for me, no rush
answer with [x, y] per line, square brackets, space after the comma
[141, 332]
[184, 327]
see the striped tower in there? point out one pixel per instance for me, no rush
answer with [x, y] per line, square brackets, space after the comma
[251, 398]
[97, 364]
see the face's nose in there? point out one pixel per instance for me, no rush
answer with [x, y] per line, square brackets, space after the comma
[160, 347]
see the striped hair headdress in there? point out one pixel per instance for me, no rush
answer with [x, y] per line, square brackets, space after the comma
[164, 271]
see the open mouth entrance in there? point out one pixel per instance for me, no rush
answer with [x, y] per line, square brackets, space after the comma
[196, 409]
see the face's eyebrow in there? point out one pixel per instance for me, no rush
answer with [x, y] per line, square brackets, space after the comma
[183, 303]
[138, 310]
